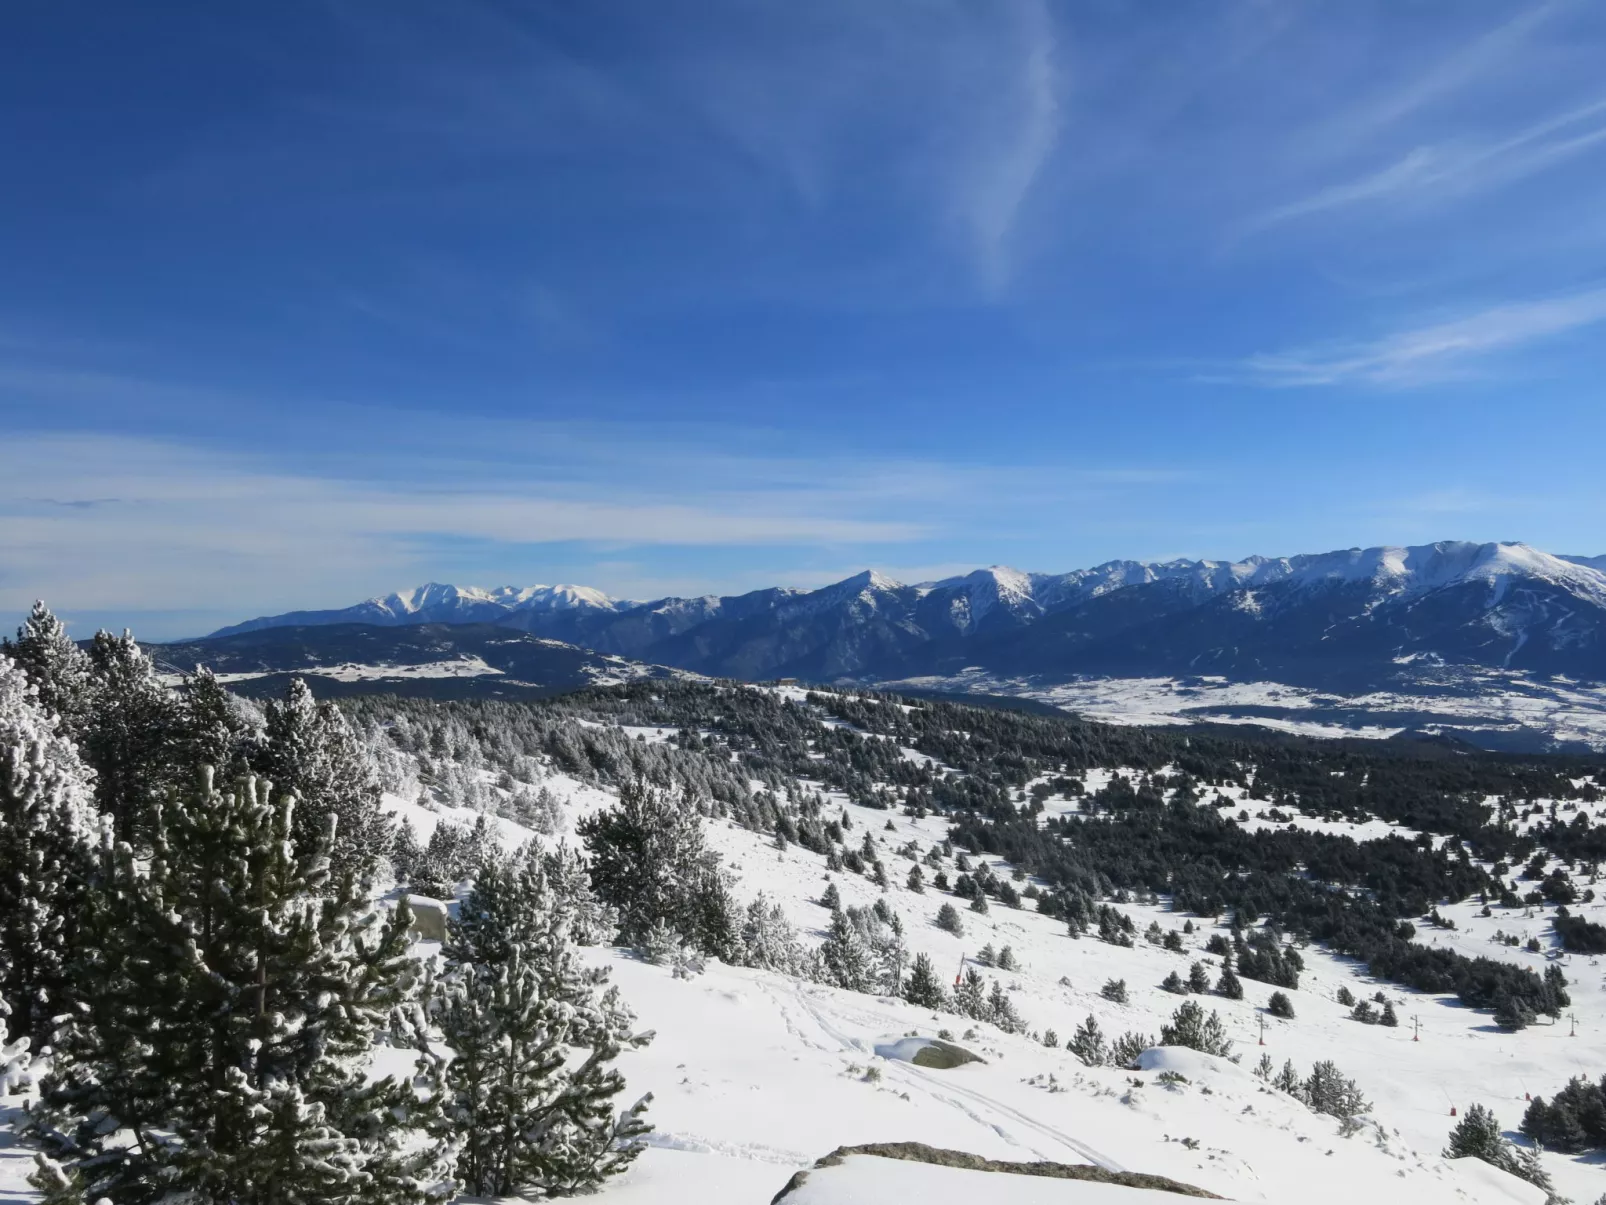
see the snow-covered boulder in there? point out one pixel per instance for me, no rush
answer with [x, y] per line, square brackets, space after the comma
[926, 1052]
[1195, 1065]
[429, 918]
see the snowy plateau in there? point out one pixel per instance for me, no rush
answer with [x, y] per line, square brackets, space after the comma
[757, 1075]
[1499, 645]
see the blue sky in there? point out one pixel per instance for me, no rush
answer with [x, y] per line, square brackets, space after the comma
[304, 302]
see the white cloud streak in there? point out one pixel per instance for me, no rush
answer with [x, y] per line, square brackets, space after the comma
[109, 523]
[1013, 153]
[1430, 353]
[1461, 168]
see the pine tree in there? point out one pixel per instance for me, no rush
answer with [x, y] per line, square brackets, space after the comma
[1174, 983]
[1191, 1028]
[845, 961]
[922, 988]
[714, 921]
[48, 827]
[209, 729]
[831, 898]
[1001, 1010]
[57, 669]
[948, 920]
[987, 956]
[1280, 1006]
[1087, 1043]
[128, 734]
[1327, 1090]
[311, 751]
[1289, 1081]
[516, 1007]
[1198, 978]
[1007, 960]
[1114, 990]
[233, 993]
[1512, 1013]
[1389, 1017]
[662, 945]
[648, 862]
[591, 922]
[916, 881]
[769, 941]
[1477, 1135]
[970, 997]
[1229, 985]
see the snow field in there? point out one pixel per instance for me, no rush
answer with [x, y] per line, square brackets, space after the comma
[757, 1068]
[756, 1075]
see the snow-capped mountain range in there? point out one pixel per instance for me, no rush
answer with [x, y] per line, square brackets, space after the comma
[1348, 619]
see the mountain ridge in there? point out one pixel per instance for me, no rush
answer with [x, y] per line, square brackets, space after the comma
[1351, 620]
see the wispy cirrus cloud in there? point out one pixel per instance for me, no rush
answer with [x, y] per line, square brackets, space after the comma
[1459, 167]
[1462, 69]
[1428, 353]
[1013, 152]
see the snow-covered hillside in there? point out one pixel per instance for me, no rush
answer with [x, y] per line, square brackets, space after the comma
[756, 1074]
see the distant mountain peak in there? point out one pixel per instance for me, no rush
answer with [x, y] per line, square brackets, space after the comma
[1503, 605]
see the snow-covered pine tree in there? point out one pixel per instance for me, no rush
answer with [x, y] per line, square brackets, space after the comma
[591, 922]
[1289, 1081]
[970, 996]
[1088, 1044]
[55, 666]
[1191, 1028]
[922, 988]
[648, 862]
[210, 729]
[663, 945]
[845, 960]
[128, 733]
[1477, 1135]
[1330, 1091]
[517, 1008]
[48, 827]
[769, 941]
[232, 993]
[1001, 1010]
[311, 752]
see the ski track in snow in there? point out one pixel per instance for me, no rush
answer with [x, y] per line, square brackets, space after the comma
[940, 1087]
